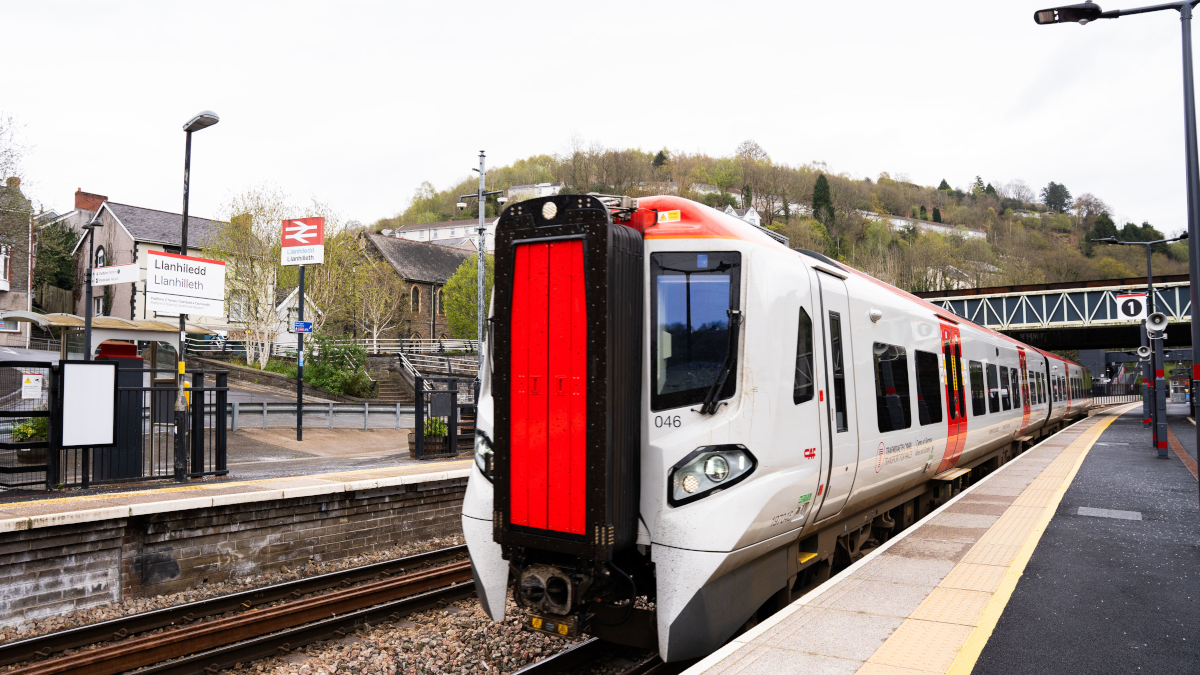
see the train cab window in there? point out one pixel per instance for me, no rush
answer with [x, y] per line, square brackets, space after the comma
[1005, 388]
[891, 387]
[839, 372]
[993, 386]
[802, 386]
[929, 389]
[978, 393]
[693, 298]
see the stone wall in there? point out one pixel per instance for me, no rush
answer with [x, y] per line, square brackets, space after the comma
[50, 570]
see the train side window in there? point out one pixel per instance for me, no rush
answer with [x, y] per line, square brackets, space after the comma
[929, 390]
[993, 385]
[839, 372]
[1005, 388]
[1016, 388]
[891, 387]
[802, 387]
[978, 393]
[1041, 387]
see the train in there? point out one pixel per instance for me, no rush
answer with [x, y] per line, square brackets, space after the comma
[683, 424]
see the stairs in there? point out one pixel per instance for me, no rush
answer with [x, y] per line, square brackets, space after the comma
[391, 391]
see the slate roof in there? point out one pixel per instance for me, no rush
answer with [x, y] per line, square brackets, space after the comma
[161, 227]
[417, 260]
[465, 243]
[474, 222]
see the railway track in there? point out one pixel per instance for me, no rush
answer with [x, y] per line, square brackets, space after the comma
[593, 650]
[401, 587]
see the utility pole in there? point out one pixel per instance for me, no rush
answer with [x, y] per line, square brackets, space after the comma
[481, 197]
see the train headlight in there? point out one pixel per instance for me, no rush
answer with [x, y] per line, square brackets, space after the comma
[709, 470]
[483, 454]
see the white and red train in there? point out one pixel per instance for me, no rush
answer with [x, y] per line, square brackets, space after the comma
[683, 423]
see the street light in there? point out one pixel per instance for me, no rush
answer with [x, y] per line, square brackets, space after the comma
[1184, 7]
[481, 196]
[1153, 369]
[203, 120]
[87, 310]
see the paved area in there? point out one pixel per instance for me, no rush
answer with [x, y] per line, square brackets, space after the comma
[268, 453]
[22, 354]
[931, 599]
[30, 514]
[1114, 585]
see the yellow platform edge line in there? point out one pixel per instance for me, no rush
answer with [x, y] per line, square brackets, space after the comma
[969, 653]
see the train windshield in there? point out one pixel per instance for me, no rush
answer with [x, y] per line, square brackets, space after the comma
[691, 300]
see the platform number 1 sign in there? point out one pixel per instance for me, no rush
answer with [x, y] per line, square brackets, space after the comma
[1132, 307]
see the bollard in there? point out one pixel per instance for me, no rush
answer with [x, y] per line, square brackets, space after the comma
[365, 412]
[331, 414]
[264, 405]
[397, 417]
[233, 424]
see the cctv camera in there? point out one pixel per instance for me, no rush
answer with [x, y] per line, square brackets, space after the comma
[461, 205]
[501, 199]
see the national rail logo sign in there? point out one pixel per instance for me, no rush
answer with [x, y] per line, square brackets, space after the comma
[303, 241]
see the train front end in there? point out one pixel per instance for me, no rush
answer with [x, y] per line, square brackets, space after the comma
[553, 500]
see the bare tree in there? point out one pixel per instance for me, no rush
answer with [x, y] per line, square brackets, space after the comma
[1017, 189]
[381, 295]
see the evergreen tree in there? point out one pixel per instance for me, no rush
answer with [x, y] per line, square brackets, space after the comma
[1104, 227]
[924, 213]
[937, 215]
[945, 185]
[661, 159]
[55, 266]
[747, 196]
[977, 187]
[990, 190]
[822, 203]
[1057, 197]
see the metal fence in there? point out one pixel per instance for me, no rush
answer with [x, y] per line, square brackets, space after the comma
[218, 346]
[320, 415]
[24, 423]
[445, 416]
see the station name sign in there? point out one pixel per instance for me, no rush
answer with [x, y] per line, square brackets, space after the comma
[180, 284]
[303, 241]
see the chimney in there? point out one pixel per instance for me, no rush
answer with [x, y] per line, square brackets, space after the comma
[88, 201]
[13, 183]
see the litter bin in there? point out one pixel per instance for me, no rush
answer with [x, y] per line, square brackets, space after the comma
[123, 460]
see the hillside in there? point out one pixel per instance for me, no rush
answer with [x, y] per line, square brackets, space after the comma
[1032, 237]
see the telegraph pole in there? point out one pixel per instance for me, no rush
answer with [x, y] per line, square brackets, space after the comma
[481, 196]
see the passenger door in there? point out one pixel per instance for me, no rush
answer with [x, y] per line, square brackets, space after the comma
[842, 438]
[956, 397]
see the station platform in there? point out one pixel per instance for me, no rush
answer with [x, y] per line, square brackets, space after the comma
[1079, 556]
[33, 513]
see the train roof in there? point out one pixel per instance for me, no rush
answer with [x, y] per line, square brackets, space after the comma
[680, 218]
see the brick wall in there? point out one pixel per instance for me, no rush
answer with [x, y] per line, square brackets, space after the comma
[49, 571]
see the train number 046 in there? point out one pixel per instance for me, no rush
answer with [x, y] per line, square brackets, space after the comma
[661, 421]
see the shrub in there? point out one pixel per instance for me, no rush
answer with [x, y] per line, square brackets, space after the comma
[435, 426]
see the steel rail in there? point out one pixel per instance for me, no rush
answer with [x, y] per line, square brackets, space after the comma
[115, 629]
[172, 644]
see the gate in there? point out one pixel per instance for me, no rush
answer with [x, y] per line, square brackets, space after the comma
[144, 443]
[445, 417]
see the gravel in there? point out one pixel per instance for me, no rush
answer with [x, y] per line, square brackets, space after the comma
[83, 617]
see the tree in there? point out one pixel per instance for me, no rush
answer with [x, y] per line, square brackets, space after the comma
[661, 159]
[380, 295]
[977, 187]
[822, 203]
[1056, 197]
[461, 296]
[990, 190]
[924, 213]
[55, 265]
[944, 185]
[1019, 191]
[752, 151]
[937, 215]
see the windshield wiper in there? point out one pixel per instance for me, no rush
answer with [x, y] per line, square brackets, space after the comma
[709, 407]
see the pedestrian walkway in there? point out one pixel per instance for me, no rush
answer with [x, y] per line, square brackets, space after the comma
[52, 511]
[958, 592]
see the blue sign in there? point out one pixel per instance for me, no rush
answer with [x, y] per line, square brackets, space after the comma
[303, 327]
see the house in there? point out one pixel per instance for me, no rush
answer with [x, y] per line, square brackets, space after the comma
[749, 215]
[533, 190]
[126, 235]
[448, 229]
[425, 267]
[287, 314]
[16, 232]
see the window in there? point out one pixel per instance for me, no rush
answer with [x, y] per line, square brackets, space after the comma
[1041, 385]
[929, 389]
[978, 393]
[993, 385]
[891, 387]
[98, 306]
[1016, 388]
[1005, 399]
[441, 301]
[802, 385]
[99, 257]
[10, 326]
[692, 299]
[416, 300]
[839, 371]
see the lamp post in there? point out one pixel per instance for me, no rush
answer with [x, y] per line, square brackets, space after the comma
[1089, 11]
[87, 310]
[1153, 414]
[481, 197]
[202, 120]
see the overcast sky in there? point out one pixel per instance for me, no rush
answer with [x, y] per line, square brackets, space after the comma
[356, 103]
